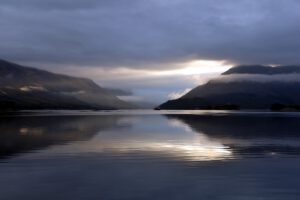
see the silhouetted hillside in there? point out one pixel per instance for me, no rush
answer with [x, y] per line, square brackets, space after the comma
[29, 88]
[245, 87]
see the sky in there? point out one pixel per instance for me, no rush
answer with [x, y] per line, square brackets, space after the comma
[158, 49]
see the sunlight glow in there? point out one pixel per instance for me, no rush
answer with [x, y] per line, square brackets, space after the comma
[193, 67]
[197, 67]
[195, 152]
[186, 145]
[204, 150]
[192, 148]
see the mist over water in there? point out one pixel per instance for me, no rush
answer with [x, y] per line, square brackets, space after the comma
[150, 155]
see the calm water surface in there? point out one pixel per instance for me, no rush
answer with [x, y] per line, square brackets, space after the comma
[150, 155]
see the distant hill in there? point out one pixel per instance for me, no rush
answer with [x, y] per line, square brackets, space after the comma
[29, 88]
[245, 87]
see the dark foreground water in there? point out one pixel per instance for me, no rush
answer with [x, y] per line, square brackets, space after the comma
[150, 155]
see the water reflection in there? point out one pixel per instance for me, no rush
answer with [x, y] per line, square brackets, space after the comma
[24, 134]
[141, 136]
[184, 137]
[150, 157]
[249, 134]
[108, 134]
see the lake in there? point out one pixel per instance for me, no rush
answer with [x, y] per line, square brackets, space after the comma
[143, 155]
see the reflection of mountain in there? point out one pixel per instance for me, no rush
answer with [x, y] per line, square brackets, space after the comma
[238, 126]
[135, 135]
[248, 134]
[22, 134]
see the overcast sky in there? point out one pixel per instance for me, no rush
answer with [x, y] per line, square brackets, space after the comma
[156, 48]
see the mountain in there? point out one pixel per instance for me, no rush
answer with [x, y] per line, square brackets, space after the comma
[29, 88]
[245, 87]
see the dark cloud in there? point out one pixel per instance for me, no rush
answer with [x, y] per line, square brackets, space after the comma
[138, 32]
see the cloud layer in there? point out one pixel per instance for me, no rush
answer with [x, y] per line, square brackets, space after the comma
[258, 78]
[132, 33]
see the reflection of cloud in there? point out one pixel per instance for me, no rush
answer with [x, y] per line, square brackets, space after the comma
[179, 124]
[195, 152]
[204, 150]
[269, 133]
[23, 134]
[31, 131]
[183, 145]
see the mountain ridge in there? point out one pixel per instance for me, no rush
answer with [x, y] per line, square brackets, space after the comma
[243, 94]
[23, 87]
